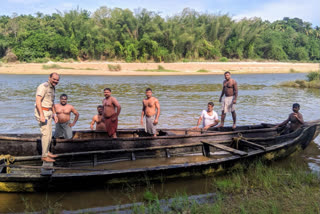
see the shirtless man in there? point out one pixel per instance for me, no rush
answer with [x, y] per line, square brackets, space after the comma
[111, 111]
[63, 111]
[150, 109]
[295, 119]
[230, 90]
[98, 120]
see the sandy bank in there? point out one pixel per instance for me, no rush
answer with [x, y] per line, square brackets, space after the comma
[101, 68]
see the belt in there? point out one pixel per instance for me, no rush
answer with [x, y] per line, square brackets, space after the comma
[46, 109]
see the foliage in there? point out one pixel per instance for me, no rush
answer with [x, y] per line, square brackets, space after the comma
[55, 66]
[203, 71]
[121, 34]
[313, 76]
[114, 67]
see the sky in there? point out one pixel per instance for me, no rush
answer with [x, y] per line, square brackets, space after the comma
[271, 10]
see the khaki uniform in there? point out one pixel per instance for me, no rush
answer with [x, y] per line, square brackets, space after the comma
[47, 92]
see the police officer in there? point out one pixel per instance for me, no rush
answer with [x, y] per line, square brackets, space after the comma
[44, 112]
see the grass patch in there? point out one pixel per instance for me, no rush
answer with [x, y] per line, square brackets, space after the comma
[160, 69]
[54, 66]
[114, 67]
[223, 59]
[88, 69]
[312, 81]
[203, 71]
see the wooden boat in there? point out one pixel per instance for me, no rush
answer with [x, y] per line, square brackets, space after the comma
[152, 163]
[30, 144]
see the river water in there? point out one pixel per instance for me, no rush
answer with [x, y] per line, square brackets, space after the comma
[182, 98]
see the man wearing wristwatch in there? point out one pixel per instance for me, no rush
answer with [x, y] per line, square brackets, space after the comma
[44, 112]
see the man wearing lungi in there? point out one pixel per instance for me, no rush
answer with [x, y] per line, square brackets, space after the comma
[151, 110]
[111, 111]
[230, 90]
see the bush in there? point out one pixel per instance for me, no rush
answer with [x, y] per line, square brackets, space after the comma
[313, 76]
[223, 59]
[10, 56]
[114, 67]
[41, 60]
[161, 68]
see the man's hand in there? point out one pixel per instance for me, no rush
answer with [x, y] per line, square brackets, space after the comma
[114, 118]
[42, 119]
[234, 101]
[206, 127]
[155, 122]
[71, 124]
[56, 120]
[91, 127]
[220, 99]
[141, 122]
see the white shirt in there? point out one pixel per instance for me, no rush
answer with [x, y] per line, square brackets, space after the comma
[207, 119]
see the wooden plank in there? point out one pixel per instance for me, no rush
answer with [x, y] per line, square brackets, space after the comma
[251, 144]
[225, 148]
[46, 169]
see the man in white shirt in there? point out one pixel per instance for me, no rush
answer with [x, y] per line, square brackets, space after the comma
[209, 117]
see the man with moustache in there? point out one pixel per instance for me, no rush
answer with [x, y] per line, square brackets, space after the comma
[63, 111]
[151, 110]
[111, 111]
[230, 90]
[98, 120]
[44, 112]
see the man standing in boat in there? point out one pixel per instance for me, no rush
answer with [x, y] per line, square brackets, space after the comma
[63, 111]
[111, 111]
[150, 109]
[230, 90]
[44, 112]
[98, 120]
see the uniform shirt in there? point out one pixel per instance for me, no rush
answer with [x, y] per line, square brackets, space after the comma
[46, 91]
[207, 119]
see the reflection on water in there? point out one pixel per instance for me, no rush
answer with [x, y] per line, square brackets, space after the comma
[182, 99]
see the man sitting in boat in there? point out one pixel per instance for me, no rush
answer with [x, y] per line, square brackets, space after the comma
[209, 117]
[150, 109]
[63, 111]
[295, 120]
[98, 120]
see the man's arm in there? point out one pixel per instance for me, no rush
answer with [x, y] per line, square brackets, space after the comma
[284, 122]
[235, 92]
[117, 105]
[158, 111]
[299, 118]
[142, 113]
[39, 108]
[93, 122]
[222, 92]
[76, 113]
[54, 113]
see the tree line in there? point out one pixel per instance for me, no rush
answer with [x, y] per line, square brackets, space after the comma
[142, 35]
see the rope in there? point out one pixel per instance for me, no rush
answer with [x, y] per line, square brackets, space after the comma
[8, 159]
[236, 140]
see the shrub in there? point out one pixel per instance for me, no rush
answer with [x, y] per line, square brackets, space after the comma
[161, 68]
[41, 60]
[202, 71]
[223, 59]
[10, 56]
[313, 76]
[114, 67]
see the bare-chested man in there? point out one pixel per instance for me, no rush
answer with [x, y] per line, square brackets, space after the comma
[230, 90]
[295, 120]
[98, 120]
[150, 109]
[63, 111]
[111, 111]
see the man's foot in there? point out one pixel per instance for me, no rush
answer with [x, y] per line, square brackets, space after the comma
[221, 125]
[234, 126]
[47, 159]
[50, 155]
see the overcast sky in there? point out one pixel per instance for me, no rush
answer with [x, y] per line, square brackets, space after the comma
[266, 9]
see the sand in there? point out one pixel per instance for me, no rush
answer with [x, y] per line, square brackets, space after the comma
[101, 68]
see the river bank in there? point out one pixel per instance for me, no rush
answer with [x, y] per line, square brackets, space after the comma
[160, 69]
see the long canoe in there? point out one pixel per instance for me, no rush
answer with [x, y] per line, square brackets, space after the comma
[107, 167]
[82, 141]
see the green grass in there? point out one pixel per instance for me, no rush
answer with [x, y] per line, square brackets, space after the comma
[88, 69]
[311, 82]
[160, 69]
[114, 67]
[203, 71]
[54, 66]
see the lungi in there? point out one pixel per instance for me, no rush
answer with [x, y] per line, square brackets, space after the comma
[150, 127]
[63, 130]
[227, 104]
[111, 126]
